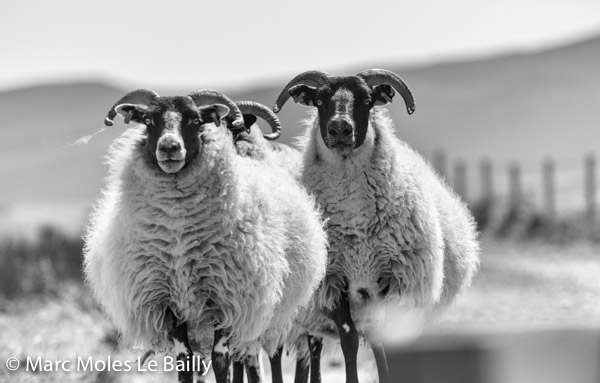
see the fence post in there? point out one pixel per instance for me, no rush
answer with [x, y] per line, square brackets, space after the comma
[460, 179]
[514, 185]
[548, 187]
[590, 187]
[439, 162]
[487, 185]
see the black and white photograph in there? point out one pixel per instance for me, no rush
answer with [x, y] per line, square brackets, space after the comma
[300, 192]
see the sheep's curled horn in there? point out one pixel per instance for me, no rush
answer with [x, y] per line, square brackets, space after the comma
[312, 77]
[139, 96]
[264, 113]
[209, 96]
[381, 76]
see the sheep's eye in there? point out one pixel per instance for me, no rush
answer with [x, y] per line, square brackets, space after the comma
[196, 121]
[319, 102]
[367, 101]
[148, 121]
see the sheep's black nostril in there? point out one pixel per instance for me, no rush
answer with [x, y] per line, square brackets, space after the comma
[363, 293]
[346, 131]
[332, 129]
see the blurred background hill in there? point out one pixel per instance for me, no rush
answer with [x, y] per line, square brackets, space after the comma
[514, 107]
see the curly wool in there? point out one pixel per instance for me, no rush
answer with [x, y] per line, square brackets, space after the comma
[220, 243]
[254, 145]
[391, 220]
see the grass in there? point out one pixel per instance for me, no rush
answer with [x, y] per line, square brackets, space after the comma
[524, 285]
[31, 268]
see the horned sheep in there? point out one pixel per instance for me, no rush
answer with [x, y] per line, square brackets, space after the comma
[250, 142]
[190, 236]
[397, 233]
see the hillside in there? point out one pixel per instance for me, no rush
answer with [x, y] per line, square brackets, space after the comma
[520, 107]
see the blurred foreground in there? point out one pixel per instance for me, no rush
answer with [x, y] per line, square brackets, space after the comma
[522, 288]
[552, 356]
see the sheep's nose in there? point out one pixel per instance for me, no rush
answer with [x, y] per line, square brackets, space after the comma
[170, 147]
[340, 129]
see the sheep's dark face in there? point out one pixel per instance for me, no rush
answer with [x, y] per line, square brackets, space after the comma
[367, 301]
[344, 106]
[173, 125]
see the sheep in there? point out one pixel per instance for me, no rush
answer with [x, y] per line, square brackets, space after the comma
[190, 239]
[397, 233]
[250, 142]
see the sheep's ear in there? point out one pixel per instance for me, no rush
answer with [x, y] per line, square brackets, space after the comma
[383, 94]
[303, 94]
[249, 120]
[213, 113]
[131, 112]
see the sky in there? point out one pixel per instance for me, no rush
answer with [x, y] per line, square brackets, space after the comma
[178, 43]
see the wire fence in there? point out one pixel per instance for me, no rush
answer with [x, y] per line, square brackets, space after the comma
[553, 187]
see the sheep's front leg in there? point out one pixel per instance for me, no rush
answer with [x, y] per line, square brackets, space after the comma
[220, 357]
[381, 361]
[238, 372]
[315, 346]
[302, 368]
[275, 360]
[252, 368]
[183, 351]
[201, 373]
[348, 338]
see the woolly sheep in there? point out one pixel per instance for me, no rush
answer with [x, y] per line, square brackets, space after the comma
[250, 142]
[397, 233]
[190, 236]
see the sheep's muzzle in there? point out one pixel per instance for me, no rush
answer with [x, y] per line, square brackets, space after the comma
[170, 153]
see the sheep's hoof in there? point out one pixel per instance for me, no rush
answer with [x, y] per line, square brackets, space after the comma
[147, 356]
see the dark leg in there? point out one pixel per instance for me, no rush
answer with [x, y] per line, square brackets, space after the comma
[276, 374]
[301, 375]
[238, 372]
[381, 360]
[179, 336]
[200, 378]
[220, 357]
[201, 373]
[348, 338]
[252, 369]
[315, 346]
